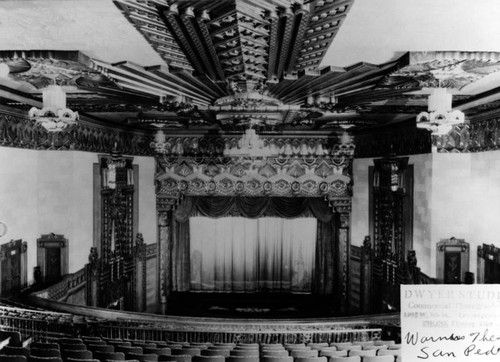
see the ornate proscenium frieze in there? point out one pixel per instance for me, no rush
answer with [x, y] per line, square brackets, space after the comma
[327, 176]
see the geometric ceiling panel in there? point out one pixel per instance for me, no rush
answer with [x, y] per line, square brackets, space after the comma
[233, 64]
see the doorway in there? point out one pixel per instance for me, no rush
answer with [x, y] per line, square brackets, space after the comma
[52, 257]
[13, 272]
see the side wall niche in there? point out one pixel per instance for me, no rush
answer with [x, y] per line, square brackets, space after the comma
[452, 261]
[52, 257]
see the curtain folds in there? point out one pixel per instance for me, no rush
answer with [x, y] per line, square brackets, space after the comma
[252, 207]
[236, 254]
[324, 278]
[324, 261]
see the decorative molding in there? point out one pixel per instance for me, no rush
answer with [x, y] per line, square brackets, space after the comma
[151, 250]
[425, 69]
[477, 136]
[16, 130]
[490, 252]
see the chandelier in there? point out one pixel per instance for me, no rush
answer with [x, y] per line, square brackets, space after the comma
[440, 117]
[250, 145]
[54, 116]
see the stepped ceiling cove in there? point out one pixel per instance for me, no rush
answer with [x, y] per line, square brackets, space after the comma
[221, 67]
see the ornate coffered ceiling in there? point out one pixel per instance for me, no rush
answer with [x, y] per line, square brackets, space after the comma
[229, 64]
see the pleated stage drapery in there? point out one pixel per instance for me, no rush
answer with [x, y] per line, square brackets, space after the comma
[235, 254]
[322, 280]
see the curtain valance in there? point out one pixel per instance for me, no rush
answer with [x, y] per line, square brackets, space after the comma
[252, 207]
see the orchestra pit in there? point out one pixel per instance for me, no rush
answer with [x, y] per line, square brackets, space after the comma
[240, 180]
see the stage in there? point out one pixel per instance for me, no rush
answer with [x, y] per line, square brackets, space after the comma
[252, 305]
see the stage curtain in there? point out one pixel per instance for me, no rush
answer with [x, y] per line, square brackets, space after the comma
[180, 256]
[324, 278]
[235, 254]
[255, 207]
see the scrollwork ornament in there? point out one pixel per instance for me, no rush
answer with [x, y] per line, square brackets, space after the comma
[344, 220]
[183, 186]
[163, 219]
[211, 186]
[239, 186]
[267, 186]
[295, 187]
[323, 187]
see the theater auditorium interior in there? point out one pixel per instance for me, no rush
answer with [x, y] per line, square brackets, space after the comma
[240, 180]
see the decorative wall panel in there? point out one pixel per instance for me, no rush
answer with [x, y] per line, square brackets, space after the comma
[391, 228]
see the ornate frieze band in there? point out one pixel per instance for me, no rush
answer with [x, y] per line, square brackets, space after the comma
[16, 130]
[476, 136]
[329, 177]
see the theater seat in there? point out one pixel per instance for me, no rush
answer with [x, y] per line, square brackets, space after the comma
[128, 349]
[216, 352]
[114, 356]
[73, 346]
[44, 359]
[345, 359]
[388, 352]
[44, 345]
[15, 351]
[242, 359]
[363, 352]
[251, 352]
[100, 348]
[208, 358]
[303, 353]
[192, 351]
[12, 358]
[310, 359]
[178, 358]
[78, 354]
[379, 358]
[142, 357]
[276, 359]
[386, 342]
[157, 350]
[341, 353]
[274, 352]
[118, 342]
[42, 352]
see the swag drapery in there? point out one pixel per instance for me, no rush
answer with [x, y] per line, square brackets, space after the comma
[323, 280]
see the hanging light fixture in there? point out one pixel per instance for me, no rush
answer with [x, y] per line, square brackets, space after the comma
[440, 117]
[54, 116]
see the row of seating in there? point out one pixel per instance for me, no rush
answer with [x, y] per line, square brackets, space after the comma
[94, 349]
